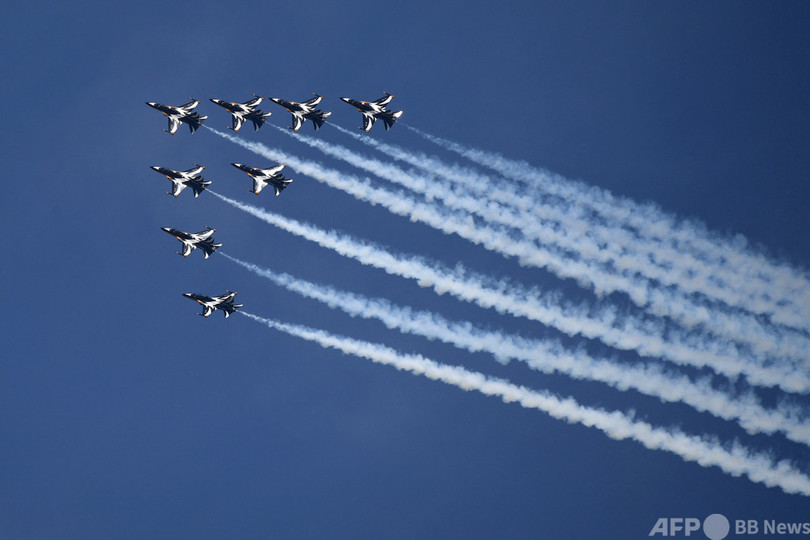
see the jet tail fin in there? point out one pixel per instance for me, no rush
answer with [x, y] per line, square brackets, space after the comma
[197, 185]
[194, 121]
[281, 184]
[209, 247]
[389, 117]
[258, 118]
[318, 118]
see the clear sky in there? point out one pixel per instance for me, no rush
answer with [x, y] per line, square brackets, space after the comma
[125, 415]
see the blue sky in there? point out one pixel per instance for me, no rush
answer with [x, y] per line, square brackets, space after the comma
[122, 414]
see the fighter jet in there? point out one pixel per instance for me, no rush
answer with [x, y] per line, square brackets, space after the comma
[301, 112]
[223, 303]
[182, 179]
[264, 177]
[374, 110]
[244, 111]
[180, 114]
[192, 241]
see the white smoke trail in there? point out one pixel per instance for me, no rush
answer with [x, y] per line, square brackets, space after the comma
[501, 242]
[737, 461]
[607, 244]
[569, 228]
[782, 291]
[742, 328]
[513, 299]
[550, 356]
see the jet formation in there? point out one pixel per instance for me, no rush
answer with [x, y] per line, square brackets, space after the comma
[244, 111]
[272, 176]
[301, 112]
[223, 303]
[182, 179]
[192, 241]
[182, 113]
[264, 177]
[374, 110]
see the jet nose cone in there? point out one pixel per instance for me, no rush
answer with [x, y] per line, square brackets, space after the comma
[167, 229]
[345, 99]
[155, 168]
[187, 294]
[151, 103]
[275, 99]
[215, 100]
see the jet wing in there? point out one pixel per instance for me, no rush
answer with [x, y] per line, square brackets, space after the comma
[258, 185]
[188, 107]
[205, 234]
[193, 172]
[297, 121]
[187, 249]
[385, 100]
[236, 122]
[253, 103]
[207, 310]
[174, 123]
[272, 171]
[368, 121]
[177, 187]
[311, 103]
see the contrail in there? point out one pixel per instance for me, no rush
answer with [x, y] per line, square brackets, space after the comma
[567, 227]
[742, 328]
[617, 425]
[529, 303]
[781, 286]
[665, 303]
[674, 266]
[550, 356]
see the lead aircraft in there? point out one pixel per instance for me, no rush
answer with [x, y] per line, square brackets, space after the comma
[223, 303]
[182, 179]
[182, 113]
[301, 112]
[374, 110]
[244, 111]
[192, 241]
[264, 177]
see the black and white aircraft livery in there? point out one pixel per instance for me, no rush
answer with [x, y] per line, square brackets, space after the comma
[182, 179]
[192, 241]
[223, 303]
[265, 177]
[244, 111]
[272, 176]
[373, 110]
[180, 114]
[301, 112]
